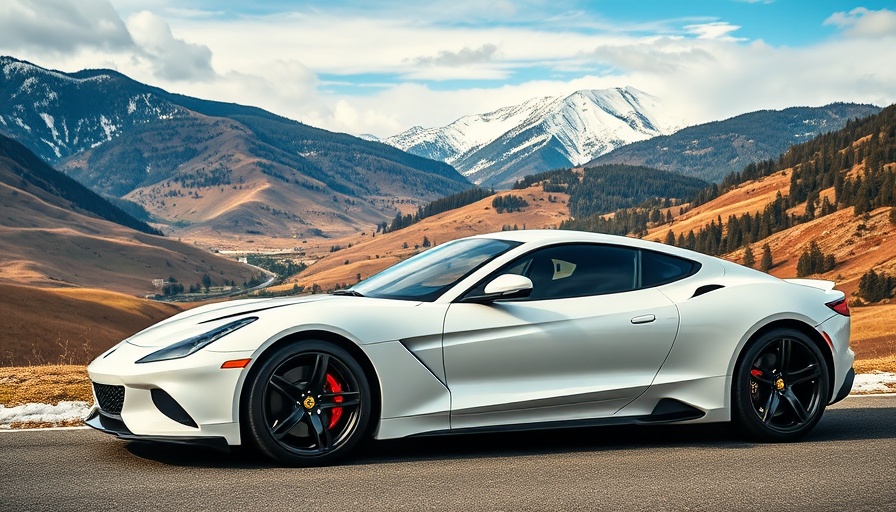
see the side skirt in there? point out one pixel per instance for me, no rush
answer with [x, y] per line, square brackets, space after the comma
[667, 410]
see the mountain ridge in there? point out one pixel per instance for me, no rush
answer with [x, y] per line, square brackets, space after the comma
[140, 143]
[713, 150]
[499, 147]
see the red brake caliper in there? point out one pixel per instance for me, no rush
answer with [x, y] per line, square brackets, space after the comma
[336, 412]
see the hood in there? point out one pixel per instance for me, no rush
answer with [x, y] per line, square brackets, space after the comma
[204, 318]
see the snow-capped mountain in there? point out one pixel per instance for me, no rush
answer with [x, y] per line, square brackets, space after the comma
[499, 147]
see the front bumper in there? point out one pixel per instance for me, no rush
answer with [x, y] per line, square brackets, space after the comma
[180, 400]
[110, 425]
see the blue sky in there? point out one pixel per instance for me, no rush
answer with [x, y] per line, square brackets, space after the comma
[381, 67]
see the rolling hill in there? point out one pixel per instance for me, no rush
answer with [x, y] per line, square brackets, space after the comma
[55, 233]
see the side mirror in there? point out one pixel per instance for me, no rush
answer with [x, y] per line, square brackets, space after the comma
[505, 286]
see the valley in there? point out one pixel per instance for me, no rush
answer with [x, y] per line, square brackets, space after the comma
[227, 183]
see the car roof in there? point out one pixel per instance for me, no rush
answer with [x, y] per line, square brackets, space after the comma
[558, 236]
[551, 236]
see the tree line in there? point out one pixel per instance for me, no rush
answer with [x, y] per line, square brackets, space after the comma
[441, 205]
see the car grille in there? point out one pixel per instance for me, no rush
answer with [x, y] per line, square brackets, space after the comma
[109, 398]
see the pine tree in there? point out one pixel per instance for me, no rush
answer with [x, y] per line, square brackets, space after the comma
[766, 263]
[749, 260]
[670, 238]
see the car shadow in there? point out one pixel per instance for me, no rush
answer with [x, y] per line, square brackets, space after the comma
[836, 425]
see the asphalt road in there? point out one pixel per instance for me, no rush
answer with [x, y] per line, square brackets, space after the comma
[847, 463]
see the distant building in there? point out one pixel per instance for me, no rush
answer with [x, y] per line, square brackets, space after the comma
[243, 259]
[158, 283]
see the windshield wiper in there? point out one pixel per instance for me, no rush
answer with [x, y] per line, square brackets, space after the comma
[350, 293]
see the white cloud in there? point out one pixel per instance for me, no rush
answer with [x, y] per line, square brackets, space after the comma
[62, 26]
[465, 57]
[861, 22]
[714, 30]
[431, 63]
[171, 58]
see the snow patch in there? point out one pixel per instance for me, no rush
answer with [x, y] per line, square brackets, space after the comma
[28, 84]
[51, 124]
[22, 124]
[42, 413]
[875, 382]
[54, 147]
[21, 67]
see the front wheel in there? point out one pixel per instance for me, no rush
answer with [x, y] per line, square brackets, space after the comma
[780, 386]
[309, 404]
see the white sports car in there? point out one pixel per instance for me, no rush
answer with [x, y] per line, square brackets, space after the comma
[512, 330]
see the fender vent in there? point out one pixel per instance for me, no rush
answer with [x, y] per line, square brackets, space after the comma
[706, 288]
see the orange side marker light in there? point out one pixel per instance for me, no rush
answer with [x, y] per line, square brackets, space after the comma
[236, 363]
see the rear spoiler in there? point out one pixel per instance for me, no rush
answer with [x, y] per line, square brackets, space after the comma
[814, 283]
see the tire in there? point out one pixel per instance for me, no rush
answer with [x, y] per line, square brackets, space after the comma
[309, 404]
[780, 387]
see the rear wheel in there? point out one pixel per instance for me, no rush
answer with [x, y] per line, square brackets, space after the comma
[780, 386]
[308, 405]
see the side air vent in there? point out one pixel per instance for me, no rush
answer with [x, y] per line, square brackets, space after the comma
[671, 410]
[706, 288]
[168, 406]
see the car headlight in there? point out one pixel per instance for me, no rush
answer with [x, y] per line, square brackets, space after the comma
[190, 345]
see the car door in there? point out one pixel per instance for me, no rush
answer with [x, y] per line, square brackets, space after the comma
[588, 340]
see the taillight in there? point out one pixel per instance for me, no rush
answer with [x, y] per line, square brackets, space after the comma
[840, 306]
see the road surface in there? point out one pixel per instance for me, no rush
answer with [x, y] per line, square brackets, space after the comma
[847, 463]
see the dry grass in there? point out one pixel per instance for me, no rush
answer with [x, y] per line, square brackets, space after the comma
[44, 384]
[69, 326]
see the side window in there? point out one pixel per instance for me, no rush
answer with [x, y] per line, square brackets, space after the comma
[658, 268]
[567, 271]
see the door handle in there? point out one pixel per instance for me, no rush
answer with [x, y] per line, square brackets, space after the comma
[643, 319]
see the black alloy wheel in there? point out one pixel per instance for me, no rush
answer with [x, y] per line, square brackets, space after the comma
[309, 404]
[780, 386]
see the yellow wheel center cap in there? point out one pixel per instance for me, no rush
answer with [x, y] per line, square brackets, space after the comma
[779, 384]
[309, 403]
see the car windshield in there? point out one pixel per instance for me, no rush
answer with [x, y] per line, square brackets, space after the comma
[429, 274]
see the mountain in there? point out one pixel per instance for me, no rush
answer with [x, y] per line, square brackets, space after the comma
[497, 148]
[203, 166]
[56, 233]
[713, 150]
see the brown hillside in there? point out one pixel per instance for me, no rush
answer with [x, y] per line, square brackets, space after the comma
[45, 241]
[857, 243]
[229, 185]
[69, 326]
[369, 254]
